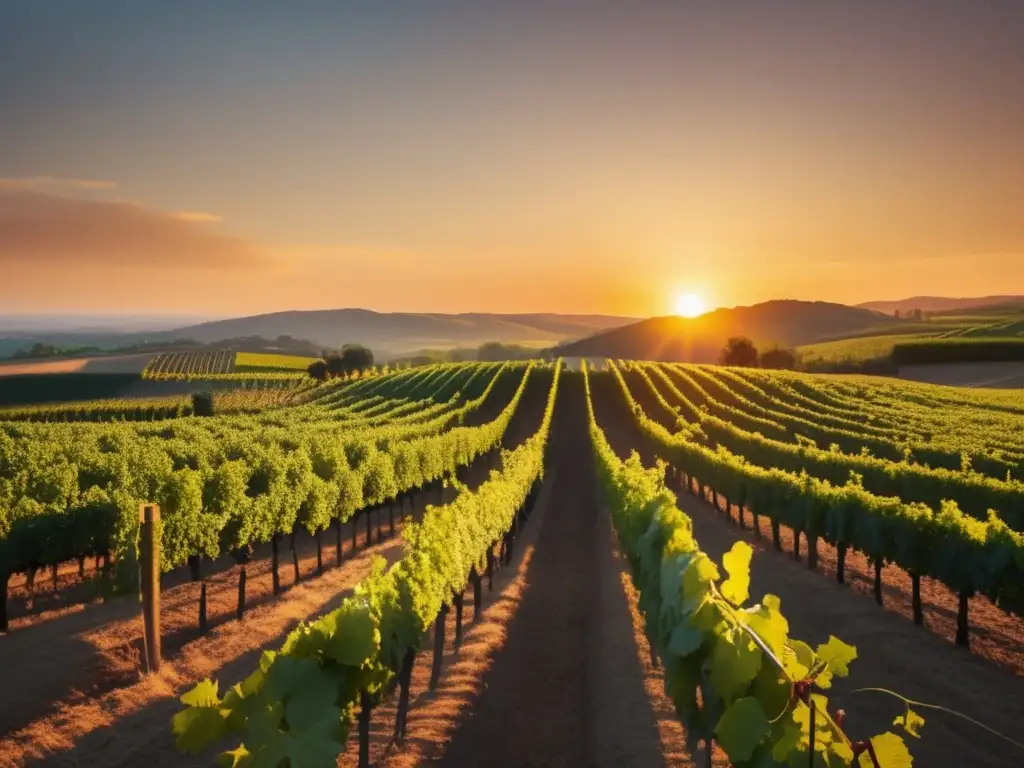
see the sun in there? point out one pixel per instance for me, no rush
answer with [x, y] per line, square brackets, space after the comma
[690, 305]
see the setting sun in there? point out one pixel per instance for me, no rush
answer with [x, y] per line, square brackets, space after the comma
[690, 305]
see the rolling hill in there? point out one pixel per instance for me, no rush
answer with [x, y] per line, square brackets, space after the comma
[786, 323]
[396, 332]
[939, 303]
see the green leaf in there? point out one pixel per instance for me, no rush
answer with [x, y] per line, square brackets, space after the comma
[307, 705]
[289, 675]
[203, 695]
[837, 655]
[741, 728]
[798, 659]
[355, 638]
[685, 640]
[697, 579]
[911, 722]
[735, 662]
[788, 740]
[197, 728]
[890, 751]
[314, 747]
[736, 589]
[770, 625]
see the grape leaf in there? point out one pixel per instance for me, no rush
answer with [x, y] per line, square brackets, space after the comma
[741, 728]
[890, 751]
[911, 722]
[196, 728]
[789, 740]
[313, 747]
[837, 655]
[736, 589]
[685, 639]
[770, 625]
[307, 705]
[204, 694]
[355, 638]
[735, 662]
[696, 578]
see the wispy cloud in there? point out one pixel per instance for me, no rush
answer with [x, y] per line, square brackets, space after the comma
[45, 230]
[197, 217]
[44, 182]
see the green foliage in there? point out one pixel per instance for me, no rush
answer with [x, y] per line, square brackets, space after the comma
[822, 494]
[295, 708]
[223, 482]
[740, 658]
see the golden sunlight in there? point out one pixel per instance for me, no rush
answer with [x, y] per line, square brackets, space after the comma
[690, 305]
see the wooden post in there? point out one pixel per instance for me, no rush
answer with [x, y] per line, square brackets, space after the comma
[241, 594]
[878, 581]
[812, 552]
[81, 567]
[53, 574]
[355, 531]
[796, 545]
[202, 610]
[295, 565]
[775, 536]
[274, 560]
[435, 670]
[149, 564]
[391, 517]
[195, 567]
[841, 562]
[369, 528]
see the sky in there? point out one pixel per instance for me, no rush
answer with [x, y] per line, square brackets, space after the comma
[245, 157]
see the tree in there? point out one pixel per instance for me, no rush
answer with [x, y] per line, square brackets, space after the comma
[356, 357]
[318, 370]
[353, 357]
[739, 351]
[779, 358]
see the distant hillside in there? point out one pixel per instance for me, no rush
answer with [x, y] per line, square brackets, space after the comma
[787, 323]
[398, 332]
[938, 303]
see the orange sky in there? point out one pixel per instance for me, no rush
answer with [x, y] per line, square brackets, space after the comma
[483, 156]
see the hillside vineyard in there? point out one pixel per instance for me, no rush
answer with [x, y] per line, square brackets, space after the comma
[923, 480]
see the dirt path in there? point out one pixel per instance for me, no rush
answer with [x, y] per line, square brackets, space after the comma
[567, 688]
[892, 653]
[130, 726]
